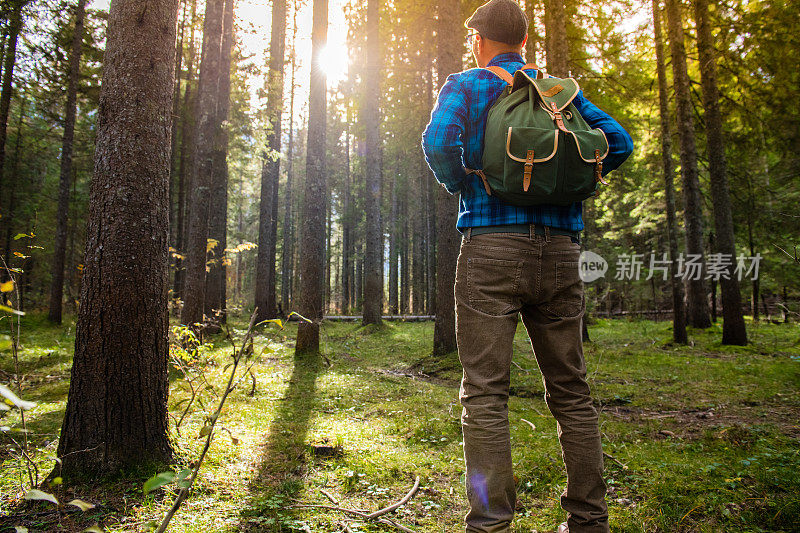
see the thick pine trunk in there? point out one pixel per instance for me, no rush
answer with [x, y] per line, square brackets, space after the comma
[373, 256]
[116, 414]
[270, 170]
[693, 208]
[216, 277]
[202, 165]
[733, 328]
[312, 256]
[678, 305]
[65, 178]
[447, 237]
[556, 32]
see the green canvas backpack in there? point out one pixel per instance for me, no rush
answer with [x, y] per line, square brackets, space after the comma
[538, 148]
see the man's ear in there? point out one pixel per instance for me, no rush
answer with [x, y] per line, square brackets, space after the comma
[522, 46]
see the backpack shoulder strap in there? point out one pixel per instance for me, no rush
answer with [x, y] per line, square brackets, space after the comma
[539, 72]
[501, 73]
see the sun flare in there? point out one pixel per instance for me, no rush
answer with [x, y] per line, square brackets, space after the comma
[334, 61]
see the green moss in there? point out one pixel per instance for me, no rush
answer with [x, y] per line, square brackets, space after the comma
[707, 433]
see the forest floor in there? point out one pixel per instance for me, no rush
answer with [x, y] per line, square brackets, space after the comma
[700, 438]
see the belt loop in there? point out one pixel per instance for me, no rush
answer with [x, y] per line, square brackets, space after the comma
[468, 235]
[547, 234]
[531, 231]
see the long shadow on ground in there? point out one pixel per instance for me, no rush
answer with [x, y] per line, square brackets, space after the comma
[279, 475]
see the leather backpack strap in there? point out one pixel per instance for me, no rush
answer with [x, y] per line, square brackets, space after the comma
[501, 73]
[539, 72]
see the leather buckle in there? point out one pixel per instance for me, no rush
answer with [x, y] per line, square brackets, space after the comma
[526, 179]
[559, 119]
[598, 168]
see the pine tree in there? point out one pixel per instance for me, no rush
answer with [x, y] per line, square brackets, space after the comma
[733, 328]
[65, 180]
[116, 413]
[693, 210]
[312, 257]
[449, 49]
[202, 165]
[678, 306]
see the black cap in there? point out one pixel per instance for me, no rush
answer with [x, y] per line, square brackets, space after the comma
[500, 20]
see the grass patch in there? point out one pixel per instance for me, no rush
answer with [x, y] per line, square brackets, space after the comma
[708, 433]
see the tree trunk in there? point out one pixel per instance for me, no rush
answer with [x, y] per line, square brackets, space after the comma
[10, 214]
[447, 237]
[184, 176]
[202, 165]
[373, 256]
[417, 248]
[14, 28]
[313, 232]
[556, 31]
[405, 270]
[346, 221]
[287, 265]
[678, 305]
[533, 37]
[393, 252]
[116, 414]
[693, 209]
[65, 178]
[216, 277]
[176, 107]
[733, 328]
[270, 170]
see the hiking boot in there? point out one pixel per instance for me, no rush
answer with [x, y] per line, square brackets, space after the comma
[563, 528]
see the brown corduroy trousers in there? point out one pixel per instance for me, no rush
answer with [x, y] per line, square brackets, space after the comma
[500, 276]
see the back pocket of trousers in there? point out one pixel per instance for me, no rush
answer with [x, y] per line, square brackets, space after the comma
[493, 284]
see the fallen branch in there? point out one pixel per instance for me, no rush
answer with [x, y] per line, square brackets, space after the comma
[394, 506]
[620, 463]
[329, 496]
[376, 516]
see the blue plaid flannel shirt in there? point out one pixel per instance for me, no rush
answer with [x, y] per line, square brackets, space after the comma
[453, 140]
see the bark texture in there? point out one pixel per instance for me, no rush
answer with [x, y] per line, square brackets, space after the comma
[447, 236]
[693, 208]
[678, 305]
[216, 293]
[287, 263]
[556, 32]
[14, 28]
[270, 170]
[65, 178]
[733, 328]
[312, 255]
[202, 163]
[116, 413]
[373, 253]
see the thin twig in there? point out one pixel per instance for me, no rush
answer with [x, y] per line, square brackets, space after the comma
[533, 427]
[184, 492]
[620, 463]
[395, 524]
[329, 496]
[516, 365]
